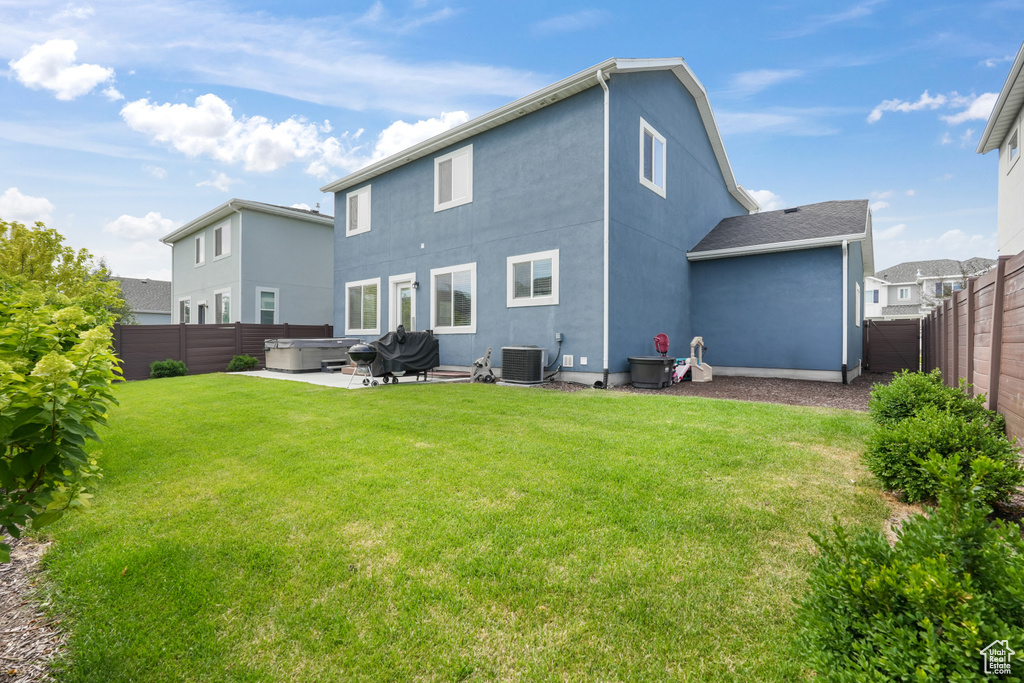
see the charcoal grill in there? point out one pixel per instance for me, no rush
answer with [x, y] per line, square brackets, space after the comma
[362, 355]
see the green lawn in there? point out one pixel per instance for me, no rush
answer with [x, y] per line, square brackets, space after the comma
[260, 530]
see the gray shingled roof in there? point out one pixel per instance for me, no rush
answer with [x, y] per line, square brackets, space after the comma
[905, 309]
[150, 296]
[812, 221]
[907, 272]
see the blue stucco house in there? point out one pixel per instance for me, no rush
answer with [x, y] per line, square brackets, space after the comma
[582, 211]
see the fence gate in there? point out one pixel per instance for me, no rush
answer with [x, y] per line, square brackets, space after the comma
[892, 345]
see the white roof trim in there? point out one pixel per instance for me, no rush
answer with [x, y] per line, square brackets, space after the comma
[231, 206]
[793, 245]
[584, 80]
[1008, 105]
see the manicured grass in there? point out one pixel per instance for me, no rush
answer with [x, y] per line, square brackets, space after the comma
[259, 530]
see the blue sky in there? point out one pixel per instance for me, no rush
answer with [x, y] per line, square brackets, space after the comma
[123, 120]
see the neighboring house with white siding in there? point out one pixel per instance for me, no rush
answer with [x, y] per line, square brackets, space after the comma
[911, 289]
[252, 262]
[1005, 132]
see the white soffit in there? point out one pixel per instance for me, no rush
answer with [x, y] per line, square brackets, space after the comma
[1008, 105]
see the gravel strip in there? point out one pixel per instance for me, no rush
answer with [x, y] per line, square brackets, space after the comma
[28, 639]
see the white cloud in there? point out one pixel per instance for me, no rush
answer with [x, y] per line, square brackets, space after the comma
[884, 194]
[890, 233]
[145, 259]
[944, 177]
[52, 66]
[136, 227]
[946, 139]
[926, 101]
[878, 206]
[401, 135]
[219, 181]
[74, 12]
[568, 23]
[910, 193]
[967, 137]
[113, 94]
[301, 205]
[768, 200]
[822, 21]
[750, 82]
[155, 171]
[15, 206]
[996, 61]
[779, 120]
[977, 108]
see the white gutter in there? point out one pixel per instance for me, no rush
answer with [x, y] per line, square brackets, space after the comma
[600, 79]
[846, 303]
[792, 245]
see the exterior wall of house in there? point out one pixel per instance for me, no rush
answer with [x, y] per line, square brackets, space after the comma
[201, 282]
[293, 256]
[871, 309]
[649, 275]
[537, 186]
[894, 295]
[1011, 193]
[153, 318]
[744, 308]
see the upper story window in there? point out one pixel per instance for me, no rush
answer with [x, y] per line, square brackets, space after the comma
[874, 296]
[362, 307]
[200, 249]
[532, 279]
[453, 299]
[357, 211]
[222, 240]
[453, 179]
[904, 293]
[652, 158]
[1013, 149]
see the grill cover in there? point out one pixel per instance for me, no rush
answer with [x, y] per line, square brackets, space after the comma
[403, 351]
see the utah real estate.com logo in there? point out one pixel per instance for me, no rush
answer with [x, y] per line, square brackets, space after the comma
[996, 657]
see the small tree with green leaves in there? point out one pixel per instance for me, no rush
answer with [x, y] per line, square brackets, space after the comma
[56, 374]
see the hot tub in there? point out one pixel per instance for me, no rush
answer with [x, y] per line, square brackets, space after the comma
[305, 355]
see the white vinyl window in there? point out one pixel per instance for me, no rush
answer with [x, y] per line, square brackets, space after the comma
[362, 307]
[222, 306]
[357, 211]
[652, 158]
[266, 305]
[200, 249]
[222, 240]
[904, 293]
[185, 310]
[1013, 149]
[453, 179]
[532, 279]
[453, 299]
[856, 315]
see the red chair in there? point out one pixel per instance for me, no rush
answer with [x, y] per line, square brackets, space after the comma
[661, 344]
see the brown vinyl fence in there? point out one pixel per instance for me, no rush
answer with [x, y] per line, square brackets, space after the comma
[978, 335]
[203, 348]
[892, 345]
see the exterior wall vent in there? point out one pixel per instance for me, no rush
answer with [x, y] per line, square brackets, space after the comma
[523, 364]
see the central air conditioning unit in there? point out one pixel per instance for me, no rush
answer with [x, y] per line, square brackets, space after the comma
[523, 364]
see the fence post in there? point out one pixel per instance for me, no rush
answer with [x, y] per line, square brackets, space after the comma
[238, 338]
[183, 343]
[287, 335]
[327, 332]
[970, 334]
[956, 338]
[997, 334]
[942, 343]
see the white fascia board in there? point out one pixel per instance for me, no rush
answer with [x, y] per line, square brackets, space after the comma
[794, 245]
[1008, 105]
[584, 80]
[231, 206]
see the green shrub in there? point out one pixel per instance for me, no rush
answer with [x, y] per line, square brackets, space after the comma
[909, 392]
[922, 610]
[243, 362]
[167, 368]
[895, 455]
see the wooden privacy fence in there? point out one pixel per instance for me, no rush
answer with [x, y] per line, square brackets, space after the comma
[892, 345]
[203, 348]
[978, 335]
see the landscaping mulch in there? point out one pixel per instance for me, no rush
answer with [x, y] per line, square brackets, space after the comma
[29, 639]
[797, 392]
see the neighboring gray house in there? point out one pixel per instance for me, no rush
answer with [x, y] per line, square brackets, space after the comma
[148, 300]
[912, 289]
[570, 213]
[252, 262]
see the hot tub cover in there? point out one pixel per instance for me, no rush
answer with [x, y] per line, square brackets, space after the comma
[403, 351]
[325, 343]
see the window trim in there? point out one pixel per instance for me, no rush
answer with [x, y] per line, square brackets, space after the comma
[177, 311]
[225, 244]
[369, 213]
[362, 283]
[551, 300]
[393, 314]
[857, 315]
[1011, 161]
[438, 205]
[201, 239]
[899, 294]
[217, 318]
[259, 304]
[452, 329]
[650, 184]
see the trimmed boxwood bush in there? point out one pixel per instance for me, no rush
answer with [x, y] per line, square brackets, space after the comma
[909, 392]
[243, 362]
[167, 368]
[896, 454]
[922, 610]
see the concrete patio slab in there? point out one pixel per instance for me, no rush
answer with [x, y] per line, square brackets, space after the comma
[340, 380]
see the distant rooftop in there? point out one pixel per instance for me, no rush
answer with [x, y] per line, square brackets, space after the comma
[146, 296]
[232, 205]
[951, 268]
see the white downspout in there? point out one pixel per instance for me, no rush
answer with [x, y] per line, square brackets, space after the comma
[846, 302]
[600, 79]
